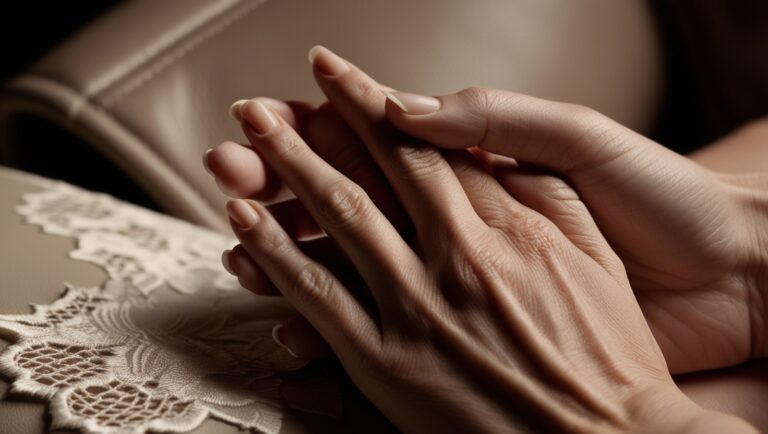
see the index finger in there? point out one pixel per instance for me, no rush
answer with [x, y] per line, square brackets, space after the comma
[419, 175]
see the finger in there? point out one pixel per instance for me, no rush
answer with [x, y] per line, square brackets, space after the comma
[422, 180]
[308, 286]
[562, 137]
[238, 263]
[332, 139]
[295, 113]
[241, 173]
[300, 339]
[489, 199]
[553, 198]
[502, 203]
[340, 206]
[335, 142]
[295, 220]
[322, 250]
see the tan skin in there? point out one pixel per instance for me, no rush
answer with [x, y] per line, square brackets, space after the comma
[457, 207]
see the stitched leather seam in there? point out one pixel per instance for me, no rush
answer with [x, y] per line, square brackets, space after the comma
[165, 41]
[151, 71]
[82, 102]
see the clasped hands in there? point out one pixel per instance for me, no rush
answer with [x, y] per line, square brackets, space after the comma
[468, 258]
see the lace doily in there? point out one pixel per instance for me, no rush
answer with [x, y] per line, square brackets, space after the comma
[128, 357]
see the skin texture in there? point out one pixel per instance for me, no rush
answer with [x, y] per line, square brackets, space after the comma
[480, 312]
[685, 234]
[689, 237]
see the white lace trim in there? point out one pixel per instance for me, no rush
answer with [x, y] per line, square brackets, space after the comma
[125, 357]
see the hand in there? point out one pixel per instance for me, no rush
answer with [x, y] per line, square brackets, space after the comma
[684, 233]
[494, 318]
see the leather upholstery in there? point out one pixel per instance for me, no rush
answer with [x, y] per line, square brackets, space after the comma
[148, 84]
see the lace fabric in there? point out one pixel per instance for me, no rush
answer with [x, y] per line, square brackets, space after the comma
[130, 355]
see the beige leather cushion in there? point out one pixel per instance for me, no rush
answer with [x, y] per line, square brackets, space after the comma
[149, 84]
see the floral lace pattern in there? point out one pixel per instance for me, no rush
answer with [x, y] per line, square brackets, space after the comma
[131, 356]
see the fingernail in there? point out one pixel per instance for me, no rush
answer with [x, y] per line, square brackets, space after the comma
[242, 213]
[313, 53]
[205, 162]
[259, 117]
[224, 189]
[225, 262]
[234, 109]
[276, 336]
[326, 62]
[414, 104]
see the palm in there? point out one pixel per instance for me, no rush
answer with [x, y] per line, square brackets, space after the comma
[675, 233]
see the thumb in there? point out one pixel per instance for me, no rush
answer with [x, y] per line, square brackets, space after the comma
[559, 136]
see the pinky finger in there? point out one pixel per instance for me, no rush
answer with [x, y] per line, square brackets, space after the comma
[251, 277]
[310, 287]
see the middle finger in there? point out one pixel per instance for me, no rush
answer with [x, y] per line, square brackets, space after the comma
[419, 175]
[339, 205]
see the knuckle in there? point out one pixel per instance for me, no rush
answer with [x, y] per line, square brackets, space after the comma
[584, 121]
[582, 113]
[557, 189]
[345, 204]
[537, 236]
[312, 284]
[287, 146]
[272, 241]
[396, 366]
[464, 166]
[595, 135]
[369, 90]
[476, 96]
[419, 161]
[486, 101]
[486, 106]
[477, 256]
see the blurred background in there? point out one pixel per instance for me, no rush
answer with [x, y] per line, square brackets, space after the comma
[683, 72]
[31, 29]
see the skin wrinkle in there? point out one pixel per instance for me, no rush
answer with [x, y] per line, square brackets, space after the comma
[578, 313]
[680, 325]
[556, 199]
[356, 163]
[515, 382]
[516, 317]
[757, 266]
[651, 164]
[449, 332]
[582, 360]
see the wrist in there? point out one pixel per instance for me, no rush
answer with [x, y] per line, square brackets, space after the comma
[750, 195]
[665, 409]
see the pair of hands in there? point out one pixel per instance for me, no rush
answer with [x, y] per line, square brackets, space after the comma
[484, 292]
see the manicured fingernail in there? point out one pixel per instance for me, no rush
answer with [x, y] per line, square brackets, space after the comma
[313, 53]
[261, 119]
[205, 162]
[414, 104]
[234, 109]
[242, 213]
[225, 262]
[224, 189]
[279, 341]
[326, 62]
